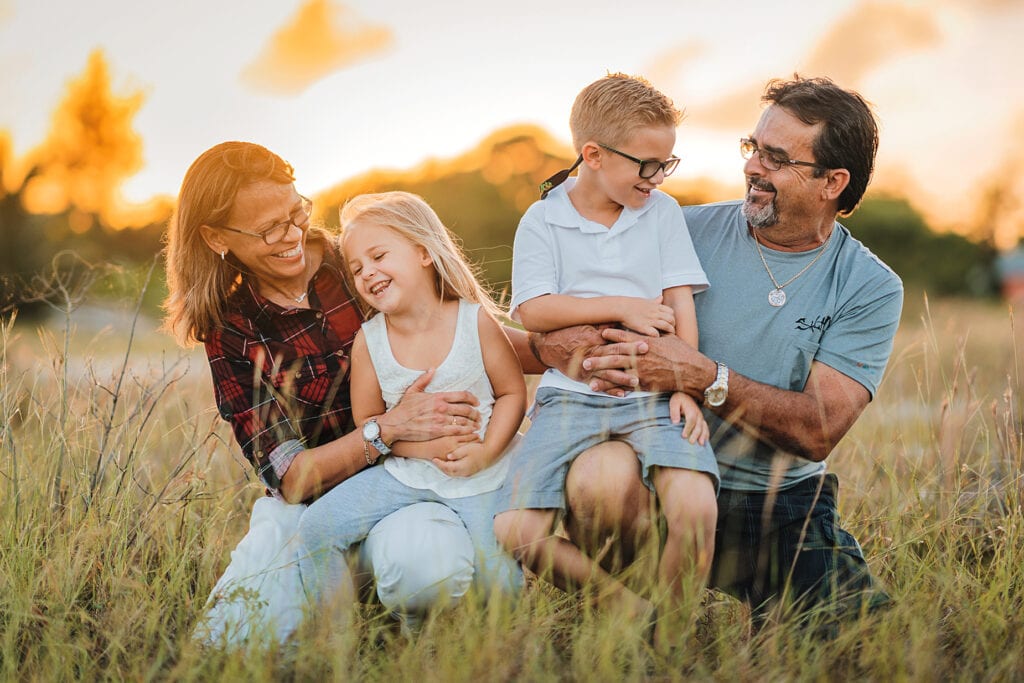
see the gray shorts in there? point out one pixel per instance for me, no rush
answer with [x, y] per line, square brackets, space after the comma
[566, 423]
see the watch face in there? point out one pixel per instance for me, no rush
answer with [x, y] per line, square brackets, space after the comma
[371, 430]
[716, 396]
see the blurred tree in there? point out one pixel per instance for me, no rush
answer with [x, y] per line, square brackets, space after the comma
[942, 264]
[89, 152]
[61, 194]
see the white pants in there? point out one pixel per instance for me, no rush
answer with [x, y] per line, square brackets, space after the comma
[416, 556]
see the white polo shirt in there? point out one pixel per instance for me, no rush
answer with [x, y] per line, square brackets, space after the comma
[558, 251]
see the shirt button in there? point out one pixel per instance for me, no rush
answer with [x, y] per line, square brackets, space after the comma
[319, 315]
[298, 374]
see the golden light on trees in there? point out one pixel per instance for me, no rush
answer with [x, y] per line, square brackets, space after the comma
[90, 150]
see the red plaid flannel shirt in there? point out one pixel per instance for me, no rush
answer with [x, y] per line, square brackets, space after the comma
[280, 376]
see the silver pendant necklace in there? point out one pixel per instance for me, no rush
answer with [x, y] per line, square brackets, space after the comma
[777, 297]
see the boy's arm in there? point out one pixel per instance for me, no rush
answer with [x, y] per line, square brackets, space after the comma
[506, 377]
[680, 300]
[683, 405]
[550, 312]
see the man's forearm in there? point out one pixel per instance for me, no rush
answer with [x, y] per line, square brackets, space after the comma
[805, 423]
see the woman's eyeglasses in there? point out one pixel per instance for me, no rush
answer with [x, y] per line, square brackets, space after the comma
[276, 232]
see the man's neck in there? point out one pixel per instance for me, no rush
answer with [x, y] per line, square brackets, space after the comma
[787, 237]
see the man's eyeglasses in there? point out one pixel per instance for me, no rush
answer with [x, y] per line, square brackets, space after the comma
[276, 232]
[648, 167]
[773, 161]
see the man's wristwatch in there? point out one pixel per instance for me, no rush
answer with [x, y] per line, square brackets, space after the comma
[371, 435]
[716, 394]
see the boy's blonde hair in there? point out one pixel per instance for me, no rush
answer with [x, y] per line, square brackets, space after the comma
[611, 109]
[411, 217]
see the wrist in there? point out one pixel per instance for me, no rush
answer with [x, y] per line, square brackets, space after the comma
[374, 438]
[389, 429]
[717, 391]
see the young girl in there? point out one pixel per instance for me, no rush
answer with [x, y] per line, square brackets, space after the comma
[433, 317]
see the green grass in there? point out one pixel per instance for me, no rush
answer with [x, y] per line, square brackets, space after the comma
[124, 495]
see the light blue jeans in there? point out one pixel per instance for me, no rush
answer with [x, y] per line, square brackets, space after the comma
[348, 513]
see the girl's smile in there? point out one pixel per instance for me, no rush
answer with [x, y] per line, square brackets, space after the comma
[390, 272]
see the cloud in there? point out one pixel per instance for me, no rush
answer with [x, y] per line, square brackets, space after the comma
[669, 64]
[868, 36]
[737, 110]
[323, 37]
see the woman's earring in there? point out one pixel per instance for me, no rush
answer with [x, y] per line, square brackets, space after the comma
[222, 255]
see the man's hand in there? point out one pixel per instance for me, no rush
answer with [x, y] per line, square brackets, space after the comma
[421, 416]
[566, 349]
[660, 363]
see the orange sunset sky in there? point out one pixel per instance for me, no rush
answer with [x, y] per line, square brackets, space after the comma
[338, 88]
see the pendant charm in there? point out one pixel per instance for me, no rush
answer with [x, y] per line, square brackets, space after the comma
[777, 298]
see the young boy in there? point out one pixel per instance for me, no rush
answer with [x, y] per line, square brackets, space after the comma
[609, 247]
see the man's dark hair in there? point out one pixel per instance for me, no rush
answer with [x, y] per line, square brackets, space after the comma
[849, 136]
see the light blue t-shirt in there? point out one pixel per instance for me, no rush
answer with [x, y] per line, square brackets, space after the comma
[842, 312]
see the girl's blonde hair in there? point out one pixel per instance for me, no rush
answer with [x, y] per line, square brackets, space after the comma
[199, 281]
[410, 216]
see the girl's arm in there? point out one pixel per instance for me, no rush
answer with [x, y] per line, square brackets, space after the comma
[364, 387]
[506, 377]
[554, 311]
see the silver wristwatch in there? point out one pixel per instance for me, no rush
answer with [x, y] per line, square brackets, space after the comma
[716, 394]
[371, 435]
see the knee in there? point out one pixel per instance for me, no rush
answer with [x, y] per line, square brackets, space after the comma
[421, 556]
[517, 529]
[606, 495]
[689, 505]
[606, 479]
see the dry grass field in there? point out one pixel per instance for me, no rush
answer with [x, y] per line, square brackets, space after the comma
[124, 495]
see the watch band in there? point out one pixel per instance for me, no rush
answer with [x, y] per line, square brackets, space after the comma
[372, 436]
[716, 394]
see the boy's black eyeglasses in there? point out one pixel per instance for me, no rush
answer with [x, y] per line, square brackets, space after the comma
[773, 161]
[648, 167]
[276, 232]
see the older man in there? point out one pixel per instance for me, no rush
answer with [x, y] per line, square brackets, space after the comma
[795, 333]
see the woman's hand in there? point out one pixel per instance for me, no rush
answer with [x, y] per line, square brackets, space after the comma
[422, 416]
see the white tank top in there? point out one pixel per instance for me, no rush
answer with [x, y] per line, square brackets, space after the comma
[462, 370]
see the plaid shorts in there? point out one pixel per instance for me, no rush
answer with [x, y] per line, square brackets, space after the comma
[793, 552]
